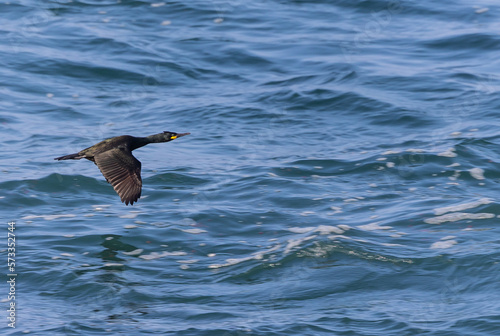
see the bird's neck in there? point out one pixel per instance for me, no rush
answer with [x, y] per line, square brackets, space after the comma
[143, 141]
[139, 142]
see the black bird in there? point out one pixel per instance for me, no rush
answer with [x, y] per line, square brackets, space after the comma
[114, 159]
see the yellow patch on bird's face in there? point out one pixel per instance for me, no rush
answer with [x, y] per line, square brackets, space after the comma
[173, 137]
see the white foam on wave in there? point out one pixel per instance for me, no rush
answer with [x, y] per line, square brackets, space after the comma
[481, 10]
[327, 229]
[373, 226]
[129, 215]
[134, 252]
[391, 152]
[307, 213]
[456, 216]
[188, 261]
[293, 243]
[450, 152]
[448, 237]
[455, 176]
[477, 173]
[194, 231]
[443, 244]
[462, 207]
[256, 255]
[130, 226]
[156, 255]
[321, 229]
[336, 209]
[100, 207]
[333, 237]
[48, 217]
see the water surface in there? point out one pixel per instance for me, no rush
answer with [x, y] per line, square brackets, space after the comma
[341, 176]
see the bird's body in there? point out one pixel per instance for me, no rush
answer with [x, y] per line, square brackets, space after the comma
[114, 159]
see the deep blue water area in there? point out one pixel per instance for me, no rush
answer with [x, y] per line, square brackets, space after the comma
[341, 177]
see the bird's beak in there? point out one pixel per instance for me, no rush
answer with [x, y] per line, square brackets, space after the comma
[178, 135]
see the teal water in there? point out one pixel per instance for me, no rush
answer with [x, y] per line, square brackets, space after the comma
[341, 176]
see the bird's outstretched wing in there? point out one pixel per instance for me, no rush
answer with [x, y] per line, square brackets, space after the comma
[123, 171]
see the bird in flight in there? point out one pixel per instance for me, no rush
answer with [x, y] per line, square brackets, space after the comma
[114, 159]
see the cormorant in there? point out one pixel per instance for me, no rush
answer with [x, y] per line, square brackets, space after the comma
[114, 159]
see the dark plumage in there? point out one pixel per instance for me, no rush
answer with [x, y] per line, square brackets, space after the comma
[114, 159]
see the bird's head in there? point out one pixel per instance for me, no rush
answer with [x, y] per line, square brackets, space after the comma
[165, 136]
[169, 136]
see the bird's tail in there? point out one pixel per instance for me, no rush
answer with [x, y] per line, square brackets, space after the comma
[75, 156]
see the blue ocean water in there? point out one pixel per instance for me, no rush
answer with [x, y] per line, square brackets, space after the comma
[341, 176]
